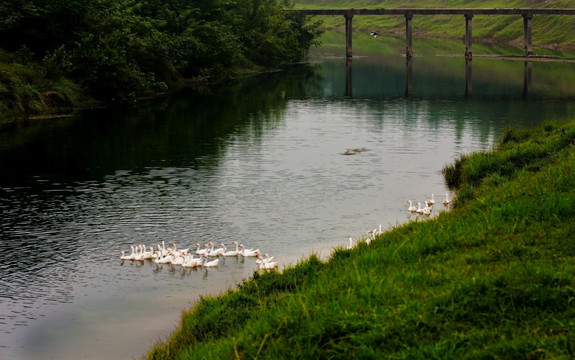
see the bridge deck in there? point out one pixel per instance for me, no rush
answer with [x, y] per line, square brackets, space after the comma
[438, 11]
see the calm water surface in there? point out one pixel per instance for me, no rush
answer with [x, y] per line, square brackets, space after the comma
[260, 162]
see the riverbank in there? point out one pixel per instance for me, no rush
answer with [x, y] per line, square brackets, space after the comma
[492, 278]
[26, 92]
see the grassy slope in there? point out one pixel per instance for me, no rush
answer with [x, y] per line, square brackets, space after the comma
[548, 30]
[493, 278]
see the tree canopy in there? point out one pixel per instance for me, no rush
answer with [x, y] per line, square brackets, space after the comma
[124, 48]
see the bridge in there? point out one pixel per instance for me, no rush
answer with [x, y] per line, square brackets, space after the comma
[468, 13]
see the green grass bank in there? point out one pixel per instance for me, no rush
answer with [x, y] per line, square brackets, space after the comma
[548, 31]
[494, 278]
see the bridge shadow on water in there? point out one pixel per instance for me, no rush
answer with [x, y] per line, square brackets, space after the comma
[468, 91]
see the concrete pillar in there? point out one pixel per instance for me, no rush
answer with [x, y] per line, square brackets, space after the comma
[408, 36]
[468, 28]
[348, 29]
[528, 34]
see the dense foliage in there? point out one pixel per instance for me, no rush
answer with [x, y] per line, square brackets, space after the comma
[124, 48]
[490, 279]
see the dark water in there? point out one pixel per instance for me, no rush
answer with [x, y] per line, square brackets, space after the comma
[259, 161]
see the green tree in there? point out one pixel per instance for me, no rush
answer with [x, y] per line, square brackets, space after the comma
[119, 49]
[40, 25]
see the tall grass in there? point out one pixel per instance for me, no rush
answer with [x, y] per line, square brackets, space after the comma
[492, 278]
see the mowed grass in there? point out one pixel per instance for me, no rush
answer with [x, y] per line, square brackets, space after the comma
[494, 278]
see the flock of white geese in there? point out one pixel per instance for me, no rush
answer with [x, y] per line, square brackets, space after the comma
[428, 205]
[209, 256]
[425, 211]
[206, 255]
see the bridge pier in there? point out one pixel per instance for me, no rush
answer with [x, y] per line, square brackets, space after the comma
[468, 28]
[348, 30]
[408, 35]
[528, 34]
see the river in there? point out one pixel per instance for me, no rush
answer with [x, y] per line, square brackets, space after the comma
[292, 162]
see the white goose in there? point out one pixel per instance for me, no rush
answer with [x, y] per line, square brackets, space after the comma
[209, 248]
[447, 200]
[419, 209]
[162, 249]
[248, 252]
[268, 265]
[212, 263]
[369, 237]
[158, 258]
[175, 249]
[165, 260]
[431, 201]
[133, 253]
[177, 258]
[428, 208]
[199, 250]
[216, 252]
[139, 253]
[263, 259]
[411, 207]
[126, 257]
[148, 254]
[193, 262]
[377, 232]
[235, 252]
